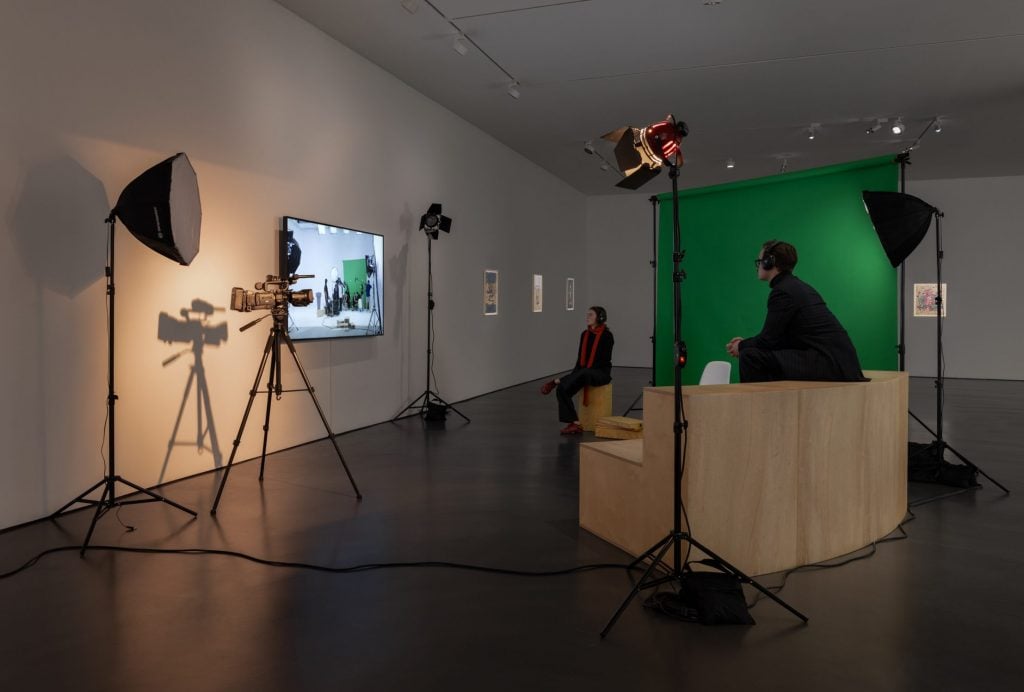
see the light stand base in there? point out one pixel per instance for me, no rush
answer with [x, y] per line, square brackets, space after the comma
[424, 400]
[648, 580]
[109, 500]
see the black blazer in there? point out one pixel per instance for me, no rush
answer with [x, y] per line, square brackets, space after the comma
[798, 319]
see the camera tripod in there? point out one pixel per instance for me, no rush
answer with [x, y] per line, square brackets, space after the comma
[272, 352]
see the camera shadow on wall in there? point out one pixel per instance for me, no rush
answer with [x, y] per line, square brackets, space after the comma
[196, 327]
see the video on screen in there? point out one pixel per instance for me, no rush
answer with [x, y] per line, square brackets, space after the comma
[347, 283]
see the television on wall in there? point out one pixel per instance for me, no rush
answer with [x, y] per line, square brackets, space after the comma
[343, 268]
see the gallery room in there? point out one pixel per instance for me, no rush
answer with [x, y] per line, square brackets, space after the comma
[511, 344]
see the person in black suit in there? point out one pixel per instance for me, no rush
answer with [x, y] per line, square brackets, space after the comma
[801, 339]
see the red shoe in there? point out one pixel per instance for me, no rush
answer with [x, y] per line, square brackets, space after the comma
[547, 387]
[572, 429]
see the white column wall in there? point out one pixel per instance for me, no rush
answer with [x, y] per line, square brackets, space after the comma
[278, 119]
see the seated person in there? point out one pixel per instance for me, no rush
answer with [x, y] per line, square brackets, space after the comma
[801, 339]
[593, 369]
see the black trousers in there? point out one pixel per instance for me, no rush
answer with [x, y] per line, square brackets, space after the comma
[759, 365]
[572, 383]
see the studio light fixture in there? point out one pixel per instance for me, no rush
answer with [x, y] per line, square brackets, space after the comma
[641, 152]
[812, 131]
[730, 163]
[434, 221]
[897, 127]
[938, 126]
[459, 45]
[513, 88]
[161, 208]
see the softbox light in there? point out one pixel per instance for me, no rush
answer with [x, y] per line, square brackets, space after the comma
[161, 208]
[641, 152]
[434, 221]
[900, 220]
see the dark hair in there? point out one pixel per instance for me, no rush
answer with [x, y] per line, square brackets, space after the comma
[602, 314]
[784, 254]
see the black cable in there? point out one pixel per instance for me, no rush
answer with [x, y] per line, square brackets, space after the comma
[315, 567]
[871, 549]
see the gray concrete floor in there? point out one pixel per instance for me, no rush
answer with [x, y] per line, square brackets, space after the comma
[939, 611]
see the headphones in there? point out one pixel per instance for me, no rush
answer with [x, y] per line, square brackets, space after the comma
[767, 258]
[602, 314]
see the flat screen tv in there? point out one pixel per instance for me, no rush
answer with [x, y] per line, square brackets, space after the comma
[343, 269]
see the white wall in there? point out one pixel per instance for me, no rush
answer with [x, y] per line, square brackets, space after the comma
[983, 249]
[619, 251]
[277, 119]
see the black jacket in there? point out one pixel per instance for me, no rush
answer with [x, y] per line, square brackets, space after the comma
[798, 319]
[603, 357]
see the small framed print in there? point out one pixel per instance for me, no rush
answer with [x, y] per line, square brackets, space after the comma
[490, 291]
[570, 294]
[538, 293]
[924, 300]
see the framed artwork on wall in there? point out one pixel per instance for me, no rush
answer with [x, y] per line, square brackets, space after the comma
[570, 294]
[490, 291]
[538, 293]
[924, 300]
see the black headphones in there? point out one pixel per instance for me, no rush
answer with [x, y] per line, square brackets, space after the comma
[602, 314]
[767, 258]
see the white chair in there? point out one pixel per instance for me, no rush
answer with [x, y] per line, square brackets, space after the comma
[716, 372]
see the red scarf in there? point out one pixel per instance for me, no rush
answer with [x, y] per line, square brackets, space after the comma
[586, 362]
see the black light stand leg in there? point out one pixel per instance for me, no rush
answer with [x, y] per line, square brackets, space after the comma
[959, 456]
[245, 417]
[664, 544]
[316, 402]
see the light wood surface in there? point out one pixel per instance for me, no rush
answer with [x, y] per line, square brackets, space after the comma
[777, 474]
[599, 405]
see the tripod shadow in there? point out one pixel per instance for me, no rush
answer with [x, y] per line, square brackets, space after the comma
[194, 328]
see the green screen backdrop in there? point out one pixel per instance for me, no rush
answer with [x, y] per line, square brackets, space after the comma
[820, 211]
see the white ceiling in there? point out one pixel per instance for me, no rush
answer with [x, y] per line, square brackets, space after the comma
[748, 76]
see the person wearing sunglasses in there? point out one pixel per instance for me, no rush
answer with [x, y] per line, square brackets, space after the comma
[801, 339]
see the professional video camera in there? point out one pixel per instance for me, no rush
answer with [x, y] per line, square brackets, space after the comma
[272, 293]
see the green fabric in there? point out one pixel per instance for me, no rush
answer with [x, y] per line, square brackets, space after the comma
[821, 213]
[354, 275]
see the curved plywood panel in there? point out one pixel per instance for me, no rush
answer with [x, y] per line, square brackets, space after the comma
[777, 474]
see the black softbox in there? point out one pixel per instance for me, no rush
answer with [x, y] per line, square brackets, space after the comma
[900, 220]
[161, 208]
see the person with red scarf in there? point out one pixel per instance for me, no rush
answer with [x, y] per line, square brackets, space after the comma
[593, 369]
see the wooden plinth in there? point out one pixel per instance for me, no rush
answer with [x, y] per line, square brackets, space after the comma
[777, 474]
[599, 406]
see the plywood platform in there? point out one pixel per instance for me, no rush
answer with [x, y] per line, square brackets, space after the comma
[777, 474]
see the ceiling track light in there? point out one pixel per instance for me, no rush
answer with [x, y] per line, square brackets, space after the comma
[812, 131]
[459, 45]
[872, 129]
[513, 89]
[897, 127]
[730, 163]
[937, 128]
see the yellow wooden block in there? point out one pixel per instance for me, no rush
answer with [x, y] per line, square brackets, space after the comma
[599, 406]
[621, 422]
[617, 433]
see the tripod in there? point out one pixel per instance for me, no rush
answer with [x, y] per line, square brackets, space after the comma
[654, 305]
[677, 537]
[272, 352]
[108, 498]
[429, 396]
[937, 448]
